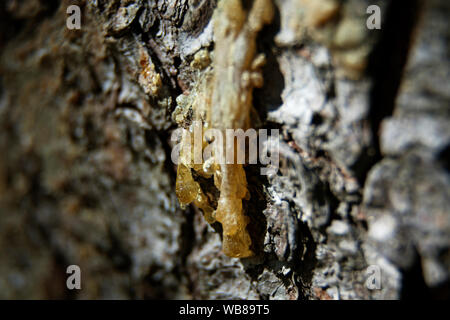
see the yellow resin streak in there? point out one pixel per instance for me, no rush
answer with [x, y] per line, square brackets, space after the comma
[224, 101]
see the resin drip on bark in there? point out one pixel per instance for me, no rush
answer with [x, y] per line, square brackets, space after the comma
[223, 100]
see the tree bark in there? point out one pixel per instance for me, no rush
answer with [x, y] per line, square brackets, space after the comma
[86, 176]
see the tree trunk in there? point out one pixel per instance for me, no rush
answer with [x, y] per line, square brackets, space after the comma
[359, 208]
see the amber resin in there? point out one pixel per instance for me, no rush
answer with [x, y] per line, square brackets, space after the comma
[223, 100]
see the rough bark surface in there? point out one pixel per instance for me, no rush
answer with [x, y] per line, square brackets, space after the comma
[86, 176]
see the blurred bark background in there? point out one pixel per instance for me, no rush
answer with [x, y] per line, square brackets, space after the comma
[86, 176]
